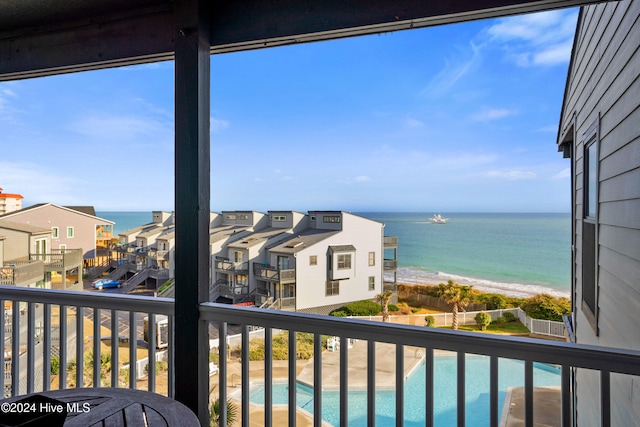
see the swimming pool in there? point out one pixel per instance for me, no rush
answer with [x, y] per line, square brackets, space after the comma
[511, 374]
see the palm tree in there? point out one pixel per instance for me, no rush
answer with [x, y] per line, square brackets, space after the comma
[214, 410]
[214, 413]
[456, 295]
[383, 300]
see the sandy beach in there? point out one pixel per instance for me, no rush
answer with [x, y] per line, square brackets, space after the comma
[412, 276]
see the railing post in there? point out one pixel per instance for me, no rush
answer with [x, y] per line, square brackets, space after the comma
[192, 201]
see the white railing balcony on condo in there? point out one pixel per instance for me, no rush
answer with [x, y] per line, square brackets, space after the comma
[406, 343]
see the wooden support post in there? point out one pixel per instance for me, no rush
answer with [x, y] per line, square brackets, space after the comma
[192, 194]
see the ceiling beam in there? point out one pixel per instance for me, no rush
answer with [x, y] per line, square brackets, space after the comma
[147, 35]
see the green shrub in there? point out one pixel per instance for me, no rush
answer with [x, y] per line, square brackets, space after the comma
[492, 301]
[55, 365]
[339, 313]
[359, 308]
[429, 321]
[393, 307]
[546, 307]
[509, 316]
[280, 346]
[483, 320]
[501, 320]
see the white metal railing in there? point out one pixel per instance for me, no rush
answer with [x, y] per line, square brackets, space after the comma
[121, 315]
[567, 356]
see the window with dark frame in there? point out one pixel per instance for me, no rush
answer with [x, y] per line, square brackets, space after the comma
[372, 283]
[313, 260]
[332, 219]
[344, 261]
[332, 288]
[589, 225]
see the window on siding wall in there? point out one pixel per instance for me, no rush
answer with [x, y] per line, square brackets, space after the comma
[332, 288]
[331, 218]
[279, 218]
[344, 262]
[590, 226]
[70, 232]
[372, 283]
[313, 260]
[55, 232]
[372, 259]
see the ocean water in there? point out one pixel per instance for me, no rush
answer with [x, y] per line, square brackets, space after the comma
[516, 254]
[126, 220]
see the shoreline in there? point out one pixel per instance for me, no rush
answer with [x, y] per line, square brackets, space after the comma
[417, 276]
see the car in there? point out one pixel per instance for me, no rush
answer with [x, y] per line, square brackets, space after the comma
[106, 283]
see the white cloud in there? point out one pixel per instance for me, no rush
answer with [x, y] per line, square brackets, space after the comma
[454, 70]
[117, 126]
[7, 110]
[563, 174]
[547, 129]
[218, 125]
[487, 114]
[540, 39]
[554, 54]
[512, 175]
[413, 123]
[362, 178]
[37, 185]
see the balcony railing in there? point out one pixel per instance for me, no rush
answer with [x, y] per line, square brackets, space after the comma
[224, 265]
[405, 341]
[390, 241]
[22, 273]
[53, 312]
[59, 260]
[272, 274]
[390, 264]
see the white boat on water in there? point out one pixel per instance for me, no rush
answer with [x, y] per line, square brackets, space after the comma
[438, 219]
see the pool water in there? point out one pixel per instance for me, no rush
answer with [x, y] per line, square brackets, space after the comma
[511, 374]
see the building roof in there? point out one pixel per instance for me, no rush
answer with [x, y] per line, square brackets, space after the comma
[82, 210]
[259, 237]
[302, 240]
[26, 228]
[10, 196]
[154, 231]
[224, 232]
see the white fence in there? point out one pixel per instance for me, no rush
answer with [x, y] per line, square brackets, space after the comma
[142, 365]
[536, 326]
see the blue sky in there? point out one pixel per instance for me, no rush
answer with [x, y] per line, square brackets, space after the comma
[452, 118]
